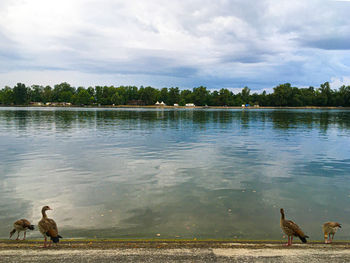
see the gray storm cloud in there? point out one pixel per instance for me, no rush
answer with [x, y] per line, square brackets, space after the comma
[225, 43]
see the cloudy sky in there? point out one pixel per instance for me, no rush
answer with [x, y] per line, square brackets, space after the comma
[185, 43]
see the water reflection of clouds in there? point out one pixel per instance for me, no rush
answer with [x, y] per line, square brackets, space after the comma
[204, 178]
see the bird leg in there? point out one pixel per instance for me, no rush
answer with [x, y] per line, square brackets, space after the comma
[291, 240]
[45, 239]
[24, 237]
[288, 244]
[50, 243]
[17, 236]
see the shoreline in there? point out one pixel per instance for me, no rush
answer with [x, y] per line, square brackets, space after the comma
[176, 107]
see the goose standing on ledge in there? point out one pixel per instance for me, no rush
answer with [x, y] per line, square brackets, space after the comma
[329, 229]
[48, 227]
[291, 229]
[19, 226]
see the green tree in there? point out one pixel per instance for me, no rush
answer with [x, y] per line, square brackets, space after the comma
[20, 94]
[173, 96]
[200, 96]
[296, 99]
[123, 95]
[91, 91]
[282, 94]
[7, 97]
[47, 94]
[182, 102]
[132, 93]
[344, 96]
[98, 94]
[245, 95]
[263, 99]
[148, 95]
[108, 92]
[37, 93]
[237, 100]
[63, 92]
[163, 96]
[104, 94]
[254, 99]
[307, 96]
[225, 98]
[186, 97]
[117, 99]
[214, 99]
[82, 97]
[324, 95]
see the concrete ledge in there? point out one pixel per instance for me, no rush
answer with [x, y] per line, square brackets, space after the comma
[172, 251]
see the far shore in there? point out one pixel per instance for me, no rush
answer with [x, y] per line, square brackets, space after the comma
[175, 107]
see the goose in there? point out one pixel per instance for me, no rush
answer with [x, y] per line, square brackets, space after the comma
[48, 227]
[329, 229]
[19, 226]
[291, 229]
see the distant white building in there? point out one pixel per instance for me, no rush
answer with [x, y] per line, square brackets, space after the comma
[162, 103]
[190, 105]
[157, 103]
[176, 105]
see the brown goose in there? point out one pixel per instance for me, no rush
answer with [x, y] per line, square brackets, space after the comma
[291, 229]
[329, 229]
[48, 227]
[19, 226]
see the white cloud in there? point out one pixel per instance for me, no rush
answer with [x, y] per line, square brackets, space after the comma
[220, 43]
[335, 83]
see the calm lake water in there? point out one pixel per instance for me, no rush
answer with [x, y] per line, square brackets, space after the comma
[136, 173]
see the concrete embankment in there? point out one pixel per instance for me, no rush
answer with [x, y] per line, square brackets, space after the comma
[172, 251]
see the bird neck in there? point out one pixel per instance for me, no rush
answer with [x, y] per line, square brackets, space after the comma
[43, 212]
[282, 216]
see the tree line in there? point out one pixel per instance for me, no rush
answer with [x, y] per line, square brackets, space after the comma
[282, 95]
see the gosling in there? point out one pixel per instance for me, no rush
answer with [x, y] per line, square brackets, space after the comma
[329, 230]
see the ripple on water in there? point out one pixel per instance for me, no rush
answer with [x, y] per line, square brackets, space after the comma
[188, 173]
